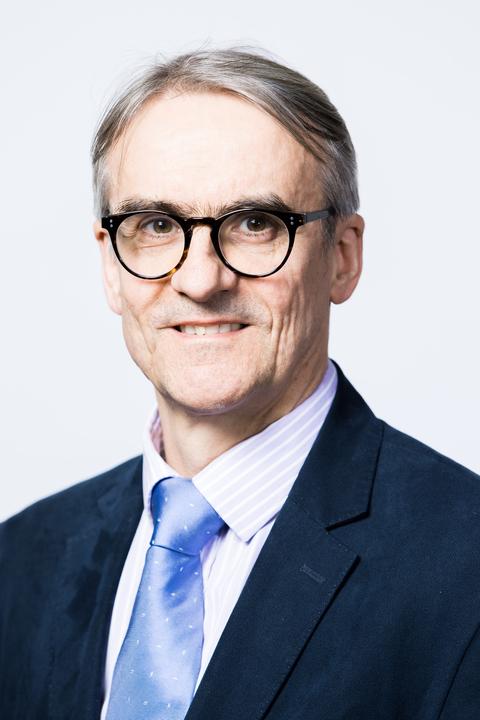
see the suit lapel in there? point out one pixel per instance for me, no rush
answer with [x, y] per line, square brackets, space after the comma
[294, 580]
[300, 570]
[91, 568]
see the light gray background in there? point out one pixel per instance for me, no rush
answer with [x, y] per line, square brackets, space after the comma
[404, 76]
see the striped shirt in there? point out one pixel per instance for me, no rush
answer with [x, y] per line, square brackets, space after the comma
[247, 486]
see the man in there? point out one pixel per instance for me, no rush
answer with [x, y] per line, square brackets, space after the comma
[277, 552]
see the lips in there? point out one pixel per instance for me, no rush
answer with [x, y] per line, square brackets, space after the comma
[210, 329]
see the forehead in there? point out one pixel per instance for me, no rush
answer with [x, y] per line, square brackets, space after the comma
[207, 149]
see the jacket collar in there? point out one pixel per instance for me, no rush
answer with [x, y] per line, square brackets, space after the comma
[336, 480]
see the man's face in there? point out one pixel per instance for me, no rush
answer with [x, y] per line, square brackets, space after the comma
[205, 152]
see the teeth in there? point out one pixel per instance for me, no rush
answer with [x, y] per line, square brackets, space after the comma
[209, 329]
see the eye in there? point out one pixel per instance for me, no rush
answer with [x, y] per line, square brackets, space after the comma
[255, 223]
[149, 230]
[159, 225]
[252, 228]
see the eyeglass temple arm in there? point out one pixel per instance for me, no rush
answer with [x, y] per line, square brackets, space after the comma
[318, 214]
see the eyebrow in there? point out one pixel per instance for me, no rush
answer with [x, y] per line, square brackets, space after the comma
[257, 202]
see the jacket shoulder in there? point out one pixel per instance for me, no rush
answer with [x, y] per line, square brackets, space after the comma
[415, 455]
[429, 483]
[65, 508]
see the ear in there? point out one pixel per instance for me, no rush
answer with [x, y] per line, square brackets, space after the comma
[111, 269]
[347, 258]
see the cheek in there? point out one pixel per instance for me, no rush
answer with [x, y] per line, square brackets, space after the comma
[292, 300]
[288, 308]
[300, 309]
[137, 298]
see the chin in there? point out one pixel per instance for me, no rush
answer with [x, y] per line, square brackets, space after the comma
[200, 398]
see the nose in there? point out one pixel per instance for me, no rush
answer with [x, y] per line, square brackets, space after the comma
[202, 274]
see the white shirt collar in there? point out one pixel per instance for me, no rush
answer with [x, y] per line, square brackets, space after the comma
[248, 484]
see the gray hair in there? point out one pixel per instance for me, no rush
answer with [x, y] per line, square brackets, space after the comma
[294, 101]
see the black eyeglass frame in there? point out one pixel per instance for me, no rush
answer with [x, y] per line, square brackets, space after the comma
[291, 220]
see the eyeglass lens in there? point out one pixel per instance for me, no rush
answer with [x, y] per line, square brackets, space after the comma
[252, 242]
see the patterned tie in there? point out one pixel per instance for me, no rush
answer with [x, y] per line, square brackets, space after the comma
[159, 662]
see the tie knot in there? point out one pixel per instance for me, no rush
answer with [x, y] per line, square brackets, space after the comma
[183, 520]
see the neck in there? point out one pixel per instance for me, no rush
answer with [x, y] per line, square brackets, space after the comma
[191, 440]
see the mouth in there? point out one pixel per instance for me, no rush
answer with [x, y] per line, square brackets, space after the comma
[209, 328]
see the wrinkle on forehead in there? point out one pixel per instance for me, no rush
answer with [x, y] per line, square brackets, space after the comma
[207, 149]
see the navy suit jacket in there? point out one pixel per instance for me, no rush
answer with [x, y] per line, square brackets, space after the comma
[364, 603]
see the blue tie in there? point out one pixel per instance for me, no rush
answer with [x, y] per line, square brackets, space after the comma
[159, 662]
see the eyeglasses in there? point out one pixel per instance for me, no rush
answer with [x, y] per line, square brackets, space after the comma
[251, 242]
